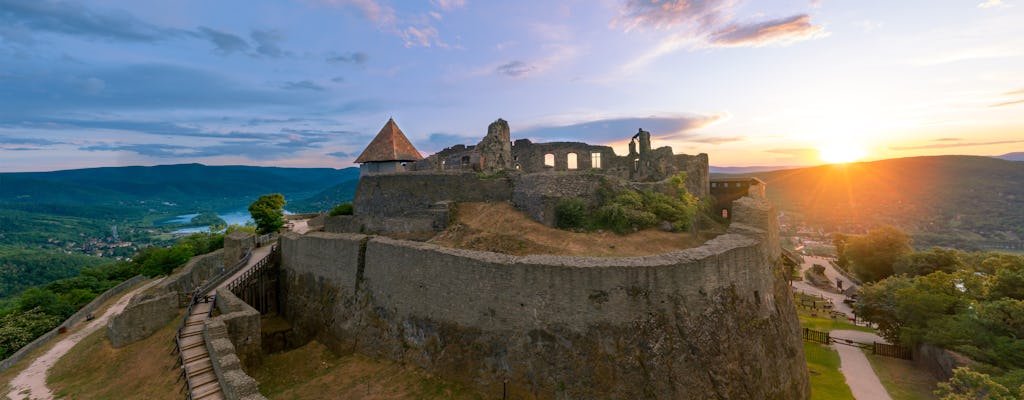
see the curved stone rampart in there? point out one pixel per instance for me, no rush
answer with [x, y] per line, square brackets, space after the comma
[708, 322]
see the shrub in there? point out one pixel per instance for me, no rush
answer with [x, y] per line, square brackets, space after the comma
[342, 209]
[570, 213]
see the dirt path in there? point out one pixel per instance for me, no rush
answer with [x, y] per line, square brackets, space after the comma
[31, 383]
[854, 365]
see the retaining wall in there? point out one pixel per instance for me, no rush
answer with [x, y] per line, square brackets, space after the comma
[75, 318]
[233, 341]
[709, 322]
[391, 195]
[938, 361]
[149, 311]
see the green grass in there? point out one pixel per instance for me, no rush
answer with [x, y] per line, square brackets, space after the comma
[902, 379]
[821, 322]
[827, 383]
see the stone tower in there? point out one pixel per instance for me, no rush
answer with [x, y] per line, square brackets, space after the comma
[495, 149]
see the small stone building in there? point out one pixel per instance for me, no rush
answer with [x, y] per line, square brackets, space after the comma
[727, 190]
[390, 151]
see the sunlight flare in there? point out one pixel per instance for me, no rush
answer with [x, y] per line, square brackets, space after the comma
[841, 152]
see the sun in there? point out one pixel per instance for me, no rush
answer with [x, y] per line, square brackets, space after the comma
[841, 152]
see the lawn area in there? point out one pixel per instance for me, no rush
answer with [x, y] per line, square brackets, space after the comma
[902, 379]
[95, 370]
[821, 322]
[827, 383]
[312, 370]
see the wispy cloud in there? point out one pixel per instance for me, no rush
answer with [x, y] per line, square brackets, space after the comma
[515, 69]
[357, 58]
[618, 129]
[707, 23]
[416, 31]
[991, 4]
[268, 42]
[448, 5]
[1008, 103]
[950, 145]
[781, 31]
[74, 19]
[303, 85]
[225, 42]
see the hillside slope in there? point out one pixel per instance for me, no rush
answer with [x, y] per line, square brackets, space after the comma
[182, 184]
[964, 201]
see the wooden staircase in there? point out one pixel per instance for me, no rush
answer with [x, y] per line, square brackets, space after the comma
[200, 379]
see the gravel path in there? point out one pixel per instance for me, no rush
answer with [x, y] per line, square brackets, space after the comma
[854, 365]
[31, 382]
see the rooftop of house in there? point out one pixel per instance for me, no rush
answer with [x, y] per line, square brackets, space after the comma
[389, 145]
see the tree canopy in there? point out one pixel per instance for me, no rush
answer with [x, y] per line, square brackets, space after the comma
[874, 255]
[268, 212]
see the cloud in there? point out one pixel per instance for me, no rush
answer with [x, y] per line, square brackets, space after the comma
[947, 140]
[303, 85]
[1015, 92]
[691, 14]
[417, 31]
[715, 139]
[26, 144]
[356, 58]
[448, 5]
[343, 155]
[226, 43]
[1007, 103]
[619, 129]
[381, 15]
[515, 69]
[268, 42]
[61, 88]
[706, 23]
[992, 4]
[783, 30]
[423, 36]
[74, 19]
[949, 145]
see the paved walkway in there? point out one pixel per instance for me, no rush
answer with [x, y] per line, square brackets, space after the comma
[854, 365]
[31, 382]
[831, 274]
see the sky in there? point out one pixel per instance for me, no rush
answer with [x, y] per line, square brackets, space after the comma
[308, 83]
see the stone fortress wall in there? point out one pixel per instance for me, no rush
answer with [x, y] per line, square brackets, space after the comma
[714, 321]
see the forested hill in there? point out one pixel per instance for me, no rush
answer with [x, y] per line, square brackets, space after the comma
[183, 184]
[962, 201]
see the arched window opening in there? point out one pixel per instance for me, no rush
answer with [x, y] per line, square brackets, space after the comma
[465, 161]
[549, 160]
[571, 160]
[595, 160]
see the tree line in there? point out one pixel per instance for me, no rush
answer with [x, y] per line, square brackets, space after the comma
[969, 302]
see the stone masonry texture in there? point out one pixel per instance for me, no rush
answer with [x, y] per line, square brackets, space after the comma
[713, 322]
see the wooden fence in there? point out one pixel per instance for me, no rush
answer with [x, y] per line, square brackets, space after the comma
[880, 349]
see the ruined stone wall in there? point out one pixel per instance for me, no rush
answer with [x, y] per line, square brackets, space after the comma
[537, 195]
[709, 322]
[395, 195]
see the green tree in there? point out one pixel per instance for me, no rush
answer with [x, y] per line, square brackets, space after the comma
[926, 262]
[342, 209]
[22, 327]
[970, 385]
[874, 254]
[839, 240]
[268, 212]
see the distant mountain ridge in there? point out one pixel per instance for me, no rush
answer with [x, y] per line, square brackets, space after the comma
[185, 184]
[746, 170]
[1015, 156]
[970, 202]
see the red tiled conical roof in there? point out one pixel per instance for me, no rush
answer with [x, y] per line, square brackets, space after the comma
[389, 145]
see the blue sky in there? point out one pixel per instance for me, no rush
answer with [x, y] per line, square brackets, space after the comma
[308, 83]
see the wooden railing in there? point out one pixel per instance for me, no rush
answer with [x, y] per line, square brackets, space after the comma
[250, 286]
